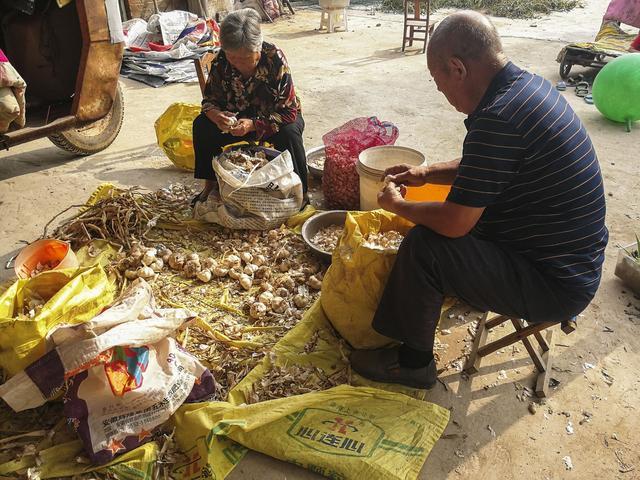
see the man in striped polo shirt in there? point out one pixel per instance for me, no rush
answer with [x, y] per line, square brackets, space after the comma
[522, 232]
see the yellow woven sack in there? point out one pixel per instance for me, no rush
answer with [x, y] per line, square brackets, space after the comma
[88, 291]
[354, 283]
[174, 132]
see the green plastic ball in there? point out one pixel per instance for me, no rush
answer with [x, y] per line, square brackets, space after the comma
[616, 89]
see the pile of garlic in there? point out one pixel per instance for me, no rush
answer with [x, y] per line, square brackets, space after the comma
[326, 239]
[390, 240]
[142, 262]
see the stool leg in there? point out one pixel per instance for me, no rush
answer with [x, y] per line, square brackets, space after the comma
[410, 36]
[321, 20]
[331, 16]
[346, 22]
[473, 363]
[542, 384]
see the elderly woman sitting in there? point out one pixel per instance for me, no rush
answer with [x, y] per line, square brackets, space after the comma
[249, 96]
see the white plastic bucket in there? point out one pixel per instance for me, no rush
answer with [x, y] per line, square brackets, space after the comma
[371, 165]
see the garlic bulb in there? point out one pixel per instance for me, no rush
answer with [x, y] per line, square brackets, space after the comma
[259, 260]
[258, 310]
[266, 287]
[204, 275]
[157, 265]
[301, 300]
[245, 281]
[193, 257]
[263, 272]
[283, 253]
[282, 292]
[279, 304]
[286, 281]
[232, 261]
[209, 263]
[149, 256]
[250, 269]
[176, 261]
[246, 257]
[145, 272]
[314, 282]
[284, 266]
[191, 268]
[131, 274]
[266, 298]
[235, 273]
[220, 272]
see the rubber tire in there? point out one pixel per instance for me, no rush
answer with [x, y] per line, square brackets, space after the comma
[95, 136]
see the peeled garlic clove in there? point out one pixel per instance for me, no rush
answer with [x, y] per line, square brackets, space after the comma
[245, 281]
[235, 273]
[209, 263]
[314, 282]
[232, 261]
[204, 276]
[257, 310]
[157, 265]
[259, 260]
[176, 261]
[279, 304]
[266, 298]
[145, 272]
[300, 300]
[246, 257]
[131, 274]
[282, 292]
[220, 272]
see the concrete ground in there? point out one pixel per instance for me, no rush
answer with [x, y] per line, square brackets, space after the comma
[363, 72]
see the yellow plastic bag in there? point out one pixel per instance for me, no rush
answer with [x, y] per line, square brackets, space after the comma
[285, 428]
[88, 291]
[354, 283]
[61, 461]
[174, 132]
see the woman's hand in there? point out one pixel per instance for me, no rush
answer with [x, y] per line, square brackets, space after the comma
[242, 127]
[406, 175]
[223, 120]
[391, 195]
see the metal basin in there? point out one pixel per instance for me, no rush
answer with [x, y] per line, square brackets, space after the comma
[317, 223]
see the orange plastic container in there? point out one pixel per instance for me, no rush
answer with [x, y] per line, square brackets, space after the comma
[428, 193]
[46, 251]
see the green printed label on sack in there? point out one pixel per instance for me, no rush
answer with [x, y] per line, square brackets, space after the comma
[333, 432]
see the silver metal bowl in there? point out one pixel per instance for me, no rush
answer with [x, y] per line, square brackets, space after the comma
[317, 223]
[313, 154]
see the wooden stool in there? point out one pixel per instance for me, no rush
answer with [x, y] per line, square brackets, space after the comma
[416, 24]
[541, 359]
[333, 18]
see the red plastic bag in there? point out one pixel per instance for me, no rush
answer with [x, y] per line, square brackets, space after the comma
[340, 182]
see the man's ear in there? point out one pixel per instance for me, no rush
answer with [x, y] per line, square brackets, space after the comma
[457, 68]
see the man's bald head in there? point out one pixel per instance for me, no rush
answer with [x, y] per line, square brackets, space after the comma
[467, 35]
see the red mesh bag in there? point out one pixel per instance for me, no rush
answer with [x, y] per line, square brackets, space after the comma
[340, 182]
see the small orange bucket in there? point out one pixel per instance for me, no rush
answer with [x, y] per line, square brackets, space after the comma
[50, 253]
[429, 192]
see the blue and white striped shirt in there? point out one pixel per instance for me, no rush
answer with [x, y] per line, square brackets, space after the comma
[529, 160]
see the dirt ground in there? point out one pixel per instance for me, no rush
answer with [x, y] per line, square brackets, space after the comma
[362, 72]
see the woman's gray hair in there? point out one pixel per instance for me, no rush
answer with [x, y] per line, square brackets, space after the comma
[240, 30]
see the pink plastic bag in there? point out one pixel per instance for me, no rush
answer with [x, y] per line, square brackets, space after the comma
[340, 182]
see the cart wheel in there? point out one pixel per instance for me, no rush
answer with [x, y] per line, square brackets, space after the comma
[95, 136]
[565, 68]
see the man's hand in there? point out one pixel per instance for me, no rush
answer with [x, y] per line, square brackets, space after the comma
[223, 120]
[242, 127]
[407, 175]
[391, 196]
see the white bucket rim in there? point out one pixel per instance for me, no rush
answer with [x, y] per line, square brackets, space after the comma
[362, 167]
